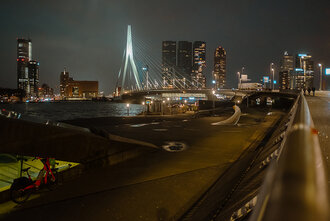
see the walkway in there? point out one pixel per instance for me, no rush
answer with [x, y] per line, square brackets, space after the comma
[158, 186]
[319, 106]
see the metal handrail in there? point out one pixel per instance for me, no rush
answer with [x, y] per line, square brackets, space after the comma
[295, 187]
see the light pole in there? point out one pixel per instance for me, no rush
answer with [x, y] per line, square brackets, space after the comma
[213, 93]
[273, 77]
[239, 79]
[321, 77]
[168, 99]
[144, 111]
[272, 71]
[163, 107]
[127, 105]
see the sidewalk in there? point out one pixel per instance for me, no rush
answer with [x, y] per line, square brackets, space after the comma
[319, 106]
[158, 186]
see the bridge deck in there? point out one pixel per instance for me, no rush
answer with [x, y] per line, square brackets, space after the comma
[319, 106]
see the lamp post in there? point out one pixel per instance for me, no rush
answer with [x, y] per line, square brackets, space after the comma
[144, 111]
[273, 77]
[127, 106]
[213, 93]
[168, 99]
[272, 71]
[321, 77]
[163, 107]
[239, 79]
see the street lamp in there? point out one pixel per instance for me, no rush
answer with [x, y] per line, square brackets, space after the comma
[273, 77]
[321, 77]
[163, 107]
[213, 92]
[144, 107]
[272, 71]
[127, 106]
[168, 99]
[239, 79]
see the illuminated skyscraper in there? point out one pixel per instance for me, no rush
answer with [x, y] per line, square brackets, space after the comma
[219, 72]
[286, 72]
[33, 68]
[64, 80]
[199, 64]
[304, 72]
[168, 63]
[24, 55]
[184, 66]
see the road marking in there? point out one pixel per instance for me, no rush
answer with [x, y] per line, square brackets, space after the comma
[129, 140]
[174, 146]
[138, 125]
[160, 130]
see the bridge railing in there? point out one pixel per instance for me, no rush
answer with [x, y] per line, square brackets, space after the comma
[295, 187]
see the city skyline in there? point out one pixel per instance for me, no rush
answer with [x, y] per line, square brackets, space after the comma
[90, 42]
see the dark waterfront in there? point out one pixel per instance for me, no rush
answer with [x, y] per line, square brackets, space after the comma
[58, 111]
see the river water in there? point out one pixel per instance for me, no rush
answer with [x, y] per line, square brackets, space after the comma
[57, 111]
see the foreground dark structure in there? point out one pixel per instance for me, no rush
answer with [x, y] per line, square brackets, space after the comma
[268, 165]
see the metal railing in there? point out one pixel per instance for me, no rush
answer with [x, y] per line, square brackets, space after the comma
[295, 187]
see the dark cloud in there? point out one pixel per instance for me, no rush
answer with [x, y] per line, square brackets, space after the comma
[88, 36]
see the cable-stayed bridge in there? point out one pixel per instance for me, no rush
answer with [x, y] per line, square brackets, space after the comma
[140, 70]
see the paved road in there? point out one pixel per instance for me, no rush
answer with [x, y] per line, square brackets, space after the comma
[320, 110]
[158, 186]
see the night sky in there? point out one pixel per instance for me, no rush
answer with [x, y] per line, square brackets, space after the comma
[88, 36]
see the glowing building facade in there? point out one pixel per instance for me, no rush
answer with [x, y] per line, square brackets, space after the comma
[71, 89]
[184, 65]
[27, 69]
[304, 72]
[286, 72]
[24, 55]
[199, 63]
[168, 63]
[219, 71]
[33, 68]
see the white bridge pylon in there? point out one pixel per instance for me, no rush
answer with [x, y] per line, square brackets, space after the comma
[130, 58]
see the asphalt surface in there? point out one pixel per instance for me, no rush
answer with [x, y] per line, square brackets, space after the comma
[160, 185]
[319, 106]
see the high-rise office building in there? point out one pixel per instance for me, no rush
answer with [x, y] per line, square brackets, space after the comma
[27, 69]
[304, 72]
[184, 65]
[64, 81]
[286, 72]
[33, 77]
[168, 63]
[24, 55]
[199, 63]
[219, 71]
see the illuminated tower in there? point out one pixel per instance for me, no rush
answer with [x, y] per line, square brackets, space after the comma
[24, 55]
[168, 63]
[304, 71]
[199, 64]
[130, 59]
[286, 72]
[184, 64]
[220, 67]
